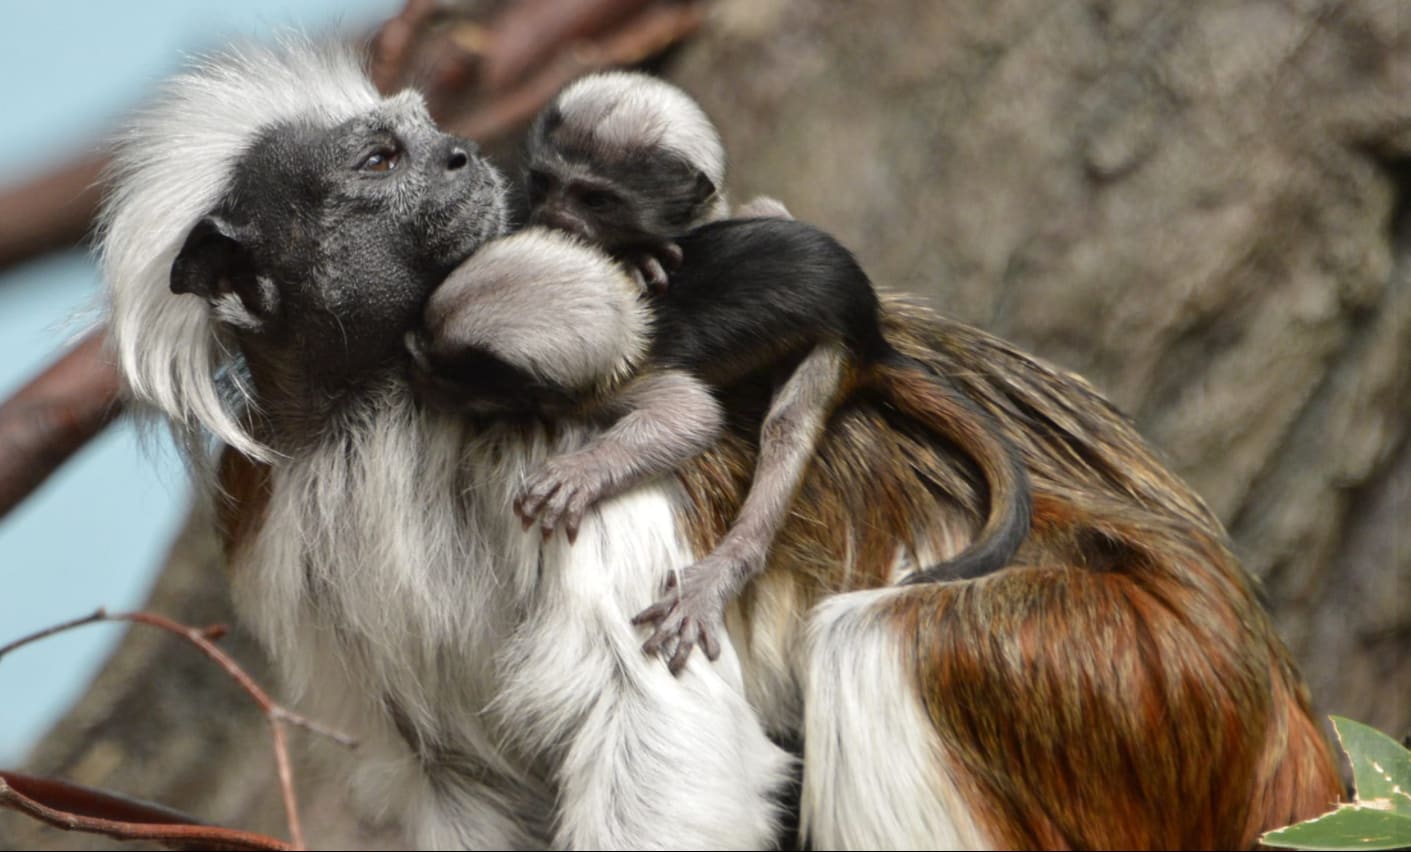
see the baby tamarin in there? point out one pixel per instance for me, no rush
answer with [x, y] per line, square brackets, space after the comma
[630, 164]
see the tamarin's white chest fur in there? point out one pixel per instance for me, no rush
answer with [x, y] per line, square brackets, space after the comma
[404, 601]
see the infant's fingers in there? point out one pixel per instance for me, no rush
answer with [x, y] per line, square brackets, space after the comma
[665, 638]
[531, 501]
[689, 634]
[710, 644]
[671, 253]
[655, 612]
[573, 518]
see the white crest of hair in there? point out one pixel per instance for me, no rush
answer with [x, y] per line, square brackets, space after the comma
[171, 166]
[548, 303]
[633, 109]
[876, 776]
[400, 596]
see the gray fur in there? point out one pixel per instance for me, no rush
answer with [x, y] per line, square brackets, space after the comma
[635, 111]
[547, 303]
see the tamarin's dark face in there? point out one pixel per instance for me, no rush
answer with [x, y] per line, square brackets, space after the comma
[614, 196]
[329, 239]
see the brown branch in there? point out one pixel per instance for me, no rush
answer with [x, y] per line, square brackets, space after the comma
[54, 415]
[392, 45]
[274, 713]
[527, 34]
[72, 807]
[50, 213]
[649, 33]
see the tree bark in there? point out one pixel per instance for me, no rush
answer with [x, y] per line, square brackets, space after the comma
[1204, 208]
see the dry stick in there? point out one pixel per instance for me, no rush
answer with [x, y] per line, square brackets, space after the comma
[274, 713]
[393, 42]
[193, 836]
[528, 33]
[54, 415]
[649, 33]
[89, 802]
[50, 212]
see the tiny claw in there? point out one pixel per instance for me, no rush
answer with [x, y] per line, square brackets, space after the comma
[670, 647]
[654, 643]
[652, 275]
[532, 501]
[671, 252]
[710, 645]
[525, 519]
[652, 613]
[571, 528]
[549, 519]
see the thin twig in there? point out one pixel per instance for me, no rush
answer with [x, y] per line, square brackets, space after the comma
[51, 212]
[392, 45]
[274, 713]
[52, 416]
[176, 835]
[645, 35]
[99, 615]
[528, 33]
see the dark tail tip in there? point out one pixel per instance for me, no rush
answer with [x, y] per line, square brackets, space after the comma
[998, 542]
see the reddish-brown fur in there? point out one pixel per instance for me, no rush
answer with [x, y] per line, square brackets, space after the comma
[1120, 687]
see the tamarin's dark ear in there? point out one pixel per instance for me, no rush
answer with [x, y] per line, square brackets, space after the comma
[215, 263]
[704, 189]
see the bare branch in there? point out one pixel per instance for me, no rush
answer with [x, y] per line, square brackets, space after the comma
[50, 213]
[200, 637]
[78, 809]
[649, 33]
[527, 34]
[54, 415]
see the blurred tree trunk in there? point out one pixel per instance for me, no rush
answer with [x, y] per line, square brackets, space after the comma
[1203, 208]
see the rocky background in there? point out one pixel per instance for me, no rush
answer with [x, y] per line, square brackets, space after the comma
[1204, 208]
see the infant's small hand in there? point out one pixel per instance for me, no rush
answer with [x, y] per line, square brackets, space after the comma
[652, 265]
[561, 492]
[692, 612]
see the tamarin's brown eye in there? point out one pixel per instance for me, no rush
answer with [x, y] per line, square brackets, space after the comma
[381, 160]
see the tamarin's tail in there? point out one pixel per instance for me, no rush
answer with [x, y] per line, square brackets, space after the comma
[915, 390]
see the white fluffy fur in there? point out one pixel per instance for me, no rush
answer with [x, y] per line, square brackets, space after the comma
[639, 110]
[548, 303]
[875, 774]
[171, 166]
[392, 566]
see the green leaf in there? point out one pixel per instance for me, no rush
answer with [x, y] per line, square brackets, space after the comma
[1380, 817]
[1348, 827]
[1381, 767]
